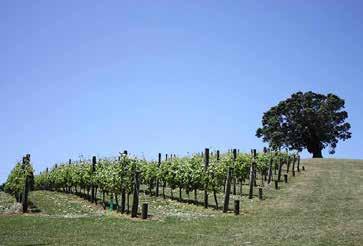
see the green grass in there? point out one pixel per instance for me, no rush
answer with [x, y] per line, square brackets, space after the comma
[60, 204]
[321, 206]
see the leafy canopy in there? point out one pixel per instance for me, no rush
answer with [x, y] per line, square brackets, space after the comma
[306, 120]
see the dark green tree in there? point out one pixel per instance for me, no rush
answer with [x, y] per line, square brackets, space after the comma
[306, 120]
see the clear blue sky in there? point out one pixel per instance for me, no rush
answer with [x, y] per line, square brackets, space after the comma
[166, 76]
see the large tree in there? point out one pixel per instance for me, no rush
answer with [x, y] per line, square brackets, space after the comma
[306, 120]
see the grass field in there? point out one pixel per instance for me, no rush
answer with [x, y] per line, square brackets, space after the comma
[321, 206]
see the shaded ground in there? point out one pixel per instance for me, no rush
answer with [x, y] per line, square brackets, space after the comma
[321, 206]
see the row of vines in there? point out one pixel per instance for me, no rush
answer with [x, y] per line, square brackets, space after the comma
[190, 174]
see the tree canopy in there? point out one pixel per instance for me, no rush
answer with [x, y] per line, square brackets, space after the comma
[306, 120]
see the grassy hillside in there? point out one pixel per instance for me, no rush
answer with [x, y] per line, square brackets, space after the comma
[62, 205]
[321, 206]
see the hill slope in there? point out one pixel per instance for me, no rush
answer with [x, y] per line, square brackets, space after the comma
[321, 206]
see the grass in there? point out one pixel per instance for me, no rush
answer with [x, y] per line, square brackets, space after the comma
[321, 206]
[60, 204]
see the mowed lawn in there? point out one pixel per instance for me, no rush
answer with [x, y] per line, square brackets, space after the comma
[320, 206]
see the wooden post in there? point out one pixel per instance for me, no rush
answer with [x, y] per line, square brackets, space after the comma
[206, 164]
[275, 164]
[157, 180]
[195, 196]
[293, 166]
[285, 178]
[24, 200]
[262, 178]
[228, 190]
[260, 193]
[270, 171]
[236, 207]
[214, 190]
[254, 168]
[25, 194]
[69, 189]
[180, 194]
[215, 198]
[276, 184]
[234, 151]
[280, 170]
[123, 189]
[252, 174]
[298, 163]
[144, 211]
[240, 181]
[135, 202]
[164, 183]
[93, 195]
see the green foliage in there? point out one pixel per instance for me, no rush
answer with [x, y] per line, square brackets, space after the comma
[306, 120]
[15, 182]
[109, 176]
[149, 173]
[180, 172]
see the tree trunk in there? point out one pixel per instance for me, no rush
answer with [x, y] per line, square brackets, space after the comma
[315, 147]
[317, 154]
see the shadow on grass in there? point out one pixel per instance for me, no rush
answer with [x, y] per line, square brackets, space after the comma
[33, 209]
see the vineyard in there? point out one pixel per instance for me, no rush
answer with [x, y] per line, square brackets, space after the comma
[307, 210]
[212, 179]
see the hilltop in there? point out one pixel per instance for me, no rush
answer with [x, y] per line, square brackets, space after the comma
[322, 205]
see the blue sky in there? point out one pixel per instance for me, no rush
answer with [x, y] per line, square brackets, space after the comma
[97, 77]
